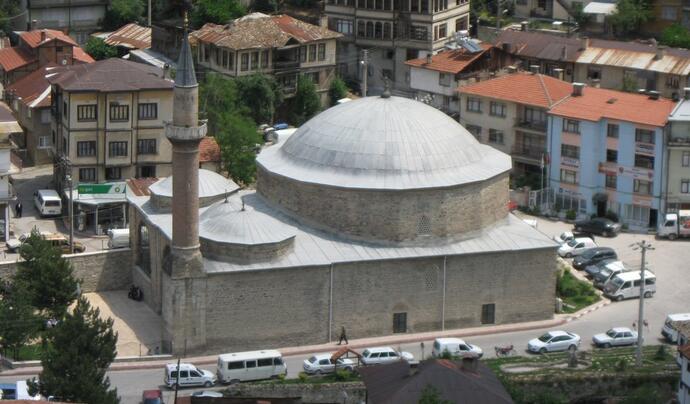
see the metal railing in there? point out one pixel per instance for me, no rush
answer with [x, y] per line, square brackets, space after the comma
[531, 125]
[526, 151]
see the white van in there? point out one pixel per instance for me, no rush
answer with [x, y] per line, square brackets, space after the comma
[668, 331]
[118, 238]
[627, 284]
[48, 202]
[456, 347]
[190, 375]
[252, 365]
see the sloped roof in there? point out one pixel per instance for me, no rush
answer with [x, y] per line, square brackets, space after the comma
[540, 46]
[13, 58]
[259, 30]
[597, 103]
[453, 61]
[210, 184]
[111, 75]
[636, 55]
[209, 151]
[524, 88]
[34, 89]
[80, 55]
[33, 38]
[132, 36]
[393, 383]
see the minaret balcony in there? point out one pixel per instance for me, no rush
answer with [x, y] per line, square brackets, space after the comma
[181, 133]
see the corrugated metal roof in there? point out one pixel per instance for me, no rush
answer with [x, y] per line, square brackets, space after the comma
[635, 55]
[111, 75]
[537, 45]
[132, 36]
[451, 61]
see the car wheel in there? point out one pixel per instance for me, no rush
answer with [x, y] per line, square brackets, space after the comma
[569, 255]
[572, 348]
[542, 350]
[607, 345]
[208, 384]
[618, 298]
[318, 372]
[606, 233]
[235, 381]
[672, 237]
[647, 295]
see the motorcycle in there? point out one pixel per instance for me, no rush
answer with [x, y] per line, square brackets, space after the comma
[504, 351]
[135, 293]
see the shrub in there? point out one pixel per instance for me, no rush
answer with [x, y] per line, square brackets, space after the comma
[661, 353]
[570, 214]
[343, 375]
[302, 377]
[621, 365]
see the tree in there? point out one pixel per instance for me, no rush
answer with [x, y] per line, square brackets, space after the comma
[19, 321]
[266, 6]
[99, 50]
[81, 349]
[337, 90]
[677, 36]
[46, 277]
[218, 97]
[260, 94]
[431, 395]
[123, 12]
[237, 138]
[216, 11]
[630, 15]
[8, 9]
[579, 15]
[306, 102]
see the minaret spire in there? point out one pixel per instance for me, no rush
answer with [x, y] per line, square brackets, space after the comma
[185, 75]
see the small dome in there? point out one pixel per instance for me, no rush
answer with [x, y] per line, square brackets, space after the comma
[384, 143]
[228, 223]
[211, 184]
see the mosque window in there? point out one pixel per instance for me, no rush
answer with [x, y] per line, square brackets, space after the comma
[488, 313]
[424, 225]
[399, 322]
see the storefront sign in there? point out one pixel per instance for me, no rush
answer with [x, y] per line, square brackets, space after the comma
[570, 162]
[644, 148]
[636, 173]
[111, 188]
[568, 192]
[646, 202]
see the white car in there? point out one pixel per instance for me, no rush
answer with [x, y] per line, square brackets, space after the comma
[576, 246]
[617, 336]
[455, 347]
[554, 341]
[207, 393]
[322, 363]
[381, 355]
[563, 237]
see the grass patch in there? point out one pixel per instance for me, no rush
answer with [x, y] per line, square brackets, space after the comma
[576, 294]
[25, 353]
[342, 376]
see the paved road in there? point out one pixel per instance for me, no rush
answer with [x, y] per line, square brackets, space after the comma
[668, 261]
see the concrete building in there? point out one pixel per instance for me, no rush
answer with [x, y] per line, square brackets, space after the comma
[684, 384]
[676, 192]
[279, 45]
[9, 165]
[79, 18]
[606, 152]
[510, 114]
[666, 13]
[392, 32]
[382, 215]
[551, 9]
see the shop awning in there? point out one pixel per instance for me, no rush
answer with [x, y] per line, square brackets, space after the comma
[96, 199]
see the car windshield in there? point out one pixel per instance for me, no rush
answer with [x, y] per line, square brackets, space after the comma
[588, 253]
[545, 338]
[618, 281]
[366, 353]
[153, 401]
[312, 359]
[572, 243]
[605, 272]
[611, 333]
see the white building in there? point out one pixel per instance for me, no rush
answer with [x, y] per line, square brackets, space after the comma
[8, 125]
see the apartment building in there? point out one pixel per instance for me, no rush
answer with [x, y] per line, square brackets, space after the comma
[510, 114]
[79, 18]
[606, 153]
[108, 122]
[392, 31]
[666, 13]
[676, 190]
[277, 45]
[8, 165]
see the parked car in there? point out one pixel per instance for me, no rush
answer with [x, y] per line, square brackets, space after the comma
[592, 256]
[56, 239]
[617, 336]
[190, 375]
[382, 355]
[323, 363]
[599, 225]
[456, 347]
[576, 246]
[152, 397]
[207, 393]
[609, 271]
[554, 341]
[592, 270]
[569, 235]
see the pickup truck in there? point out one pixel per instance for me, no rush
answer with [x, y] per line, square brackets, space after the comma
[676, 225]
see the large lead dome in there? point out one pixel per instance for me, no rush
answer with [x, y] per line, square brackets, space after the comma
[386, 169]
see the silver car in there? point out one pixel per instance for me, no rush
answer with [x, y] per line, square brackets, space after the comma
[323, 363]
[617, 336]
[554, 341]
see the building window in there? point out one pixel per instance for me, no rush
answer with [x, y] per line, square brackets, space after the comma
[495, 136]
[244, 62]
[475, 130]
[64, 109]
[231, 61]
[419, 33]
[474, 104]
[86, 113]
[119, 113]
[460, 24]
[488, 313]
[643, 187]
[344, 27]
[86, 149]
[219, 56]
[685, 162]
[148, 111]
[571, 126]
[255, 61]
[444, 79]
[611, 181]
[43, 142]
[87, 174]
[568, 176]
[117, 149]
[497, 109]
[672, 81]
[322, 51]
[387, 30]
[440, 32]
[113, 173]
[147, 171]
[399, 322]
[378, 30]
[361, 30]
[644, 136]
[643, 161]
[146, 146]
[569, 151]
[612, 131]
[685, 186]
[611, 156]
[593, 73]
[669, 13]
[312, 53]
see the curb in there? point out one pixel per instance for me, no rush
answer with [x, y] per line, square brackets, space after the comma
[589, 309]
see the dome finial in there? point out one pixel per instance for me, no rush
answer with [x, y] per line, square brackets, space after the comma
[386, 88]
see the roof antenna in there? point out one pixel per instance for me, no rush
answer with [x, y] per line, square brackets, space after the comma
[386, 88]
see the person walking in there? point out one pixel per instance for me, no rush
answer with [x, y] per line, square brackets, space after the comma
[18, 209]
[343, 336]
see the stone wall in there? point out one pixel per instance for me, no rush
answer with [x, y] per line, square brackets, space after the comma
[98, 271]
[390, 215]
[355, 392]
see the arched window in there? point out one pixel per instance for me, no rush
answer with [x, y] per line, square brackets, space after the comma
[370, 29]
[378, 30]
[360, 29]
[387, 30]
[143, 250]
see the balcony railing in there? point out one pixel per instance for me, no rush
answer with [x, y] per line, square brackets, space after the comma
[285, 65]
[530, 125]
[528, 152]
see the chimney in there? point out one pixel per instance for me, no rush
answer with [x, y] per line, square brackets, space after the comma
[596, 83]
[578, 89]
[534, 69]
[34, 24]
[43, 35]
[524, 26]
[559, 73]
[323, 21]
[564, 53]
[506, 47]
[166, 71]
[584, 43]
[659, 52]
[686, 93]
[470, 364]
[511, 69]
[653, 95]
[428, 58]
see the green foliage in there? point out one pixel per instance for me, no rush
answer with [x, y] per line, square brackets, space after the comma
[9, 8]
[306, 102]
[574, 292]
[216, 11]
[580, 17]
[661, 353]
[621, 365]
[46, 277]
[260, 94]
[237, 138]
[431, 395]
[344, 375]
[630, 15]
[266, 6]
[629, 84]
[645, 394]
[337, 90]
[81, 349]
[677, 36]
[302, 376]
[19, 321]
[570, 214]
[123, 12]
[446, 355]
[217, 97]
[99, 50]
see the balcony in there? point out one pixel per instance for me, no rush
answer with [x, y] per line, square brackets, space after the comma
[528, 153]
[536, 126]
[283, 66]
[678, 141]
[66, 3]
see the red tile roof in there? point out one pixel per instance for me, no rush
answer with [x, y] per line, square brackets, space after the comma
[80, 55]
[34, 89]
[597, 103]
[453, 61]
[524, 88]
[111, 75]
[209, 151]
[13, 58]
[140, 186]
[33, 38]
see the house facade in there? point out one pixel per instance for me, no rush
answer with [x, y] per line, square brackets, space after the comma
[280, 46]
[8, 166]
[677, 157]
[392, 32]
[606, 154]
[78, 18]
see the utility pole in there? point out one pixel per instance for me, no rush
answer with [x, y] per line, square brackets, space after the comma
[149, 13]
[71, 214]
[177, 381]
[365, 71]
[643, 246]
[498, 17]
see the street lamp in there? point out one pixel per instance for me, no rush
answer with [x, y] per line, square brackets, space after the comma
[68, 178]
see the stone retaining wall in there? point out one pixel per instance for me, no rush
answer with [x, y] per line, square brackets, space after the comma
[346, 393]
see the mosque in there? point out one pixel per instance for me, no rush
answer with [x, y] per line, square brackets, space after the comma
[382, 215]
